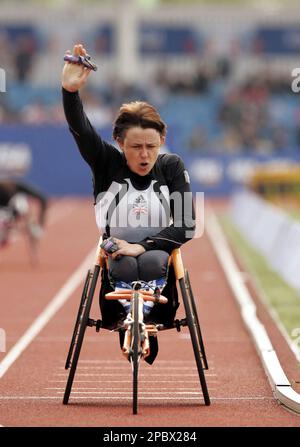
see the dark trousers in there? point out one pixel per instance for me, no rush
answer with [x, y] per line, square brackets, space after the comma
[148, 266]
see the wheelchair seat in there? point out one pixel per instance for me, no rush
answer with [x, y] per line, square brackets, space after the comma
[113, 312]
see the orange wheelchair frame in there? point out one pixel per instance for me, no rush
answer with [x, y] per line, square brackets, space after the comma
[136, 339]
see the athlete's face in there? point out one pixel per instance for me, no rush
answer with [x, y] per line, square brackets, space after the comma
[141, 149]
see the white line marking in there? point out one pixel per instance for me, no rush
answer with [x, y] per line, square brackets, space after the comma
[277, 378]
[129, 381]
[125, 368]
[62, 339]
[117, 390]
[40, 322]
[159, 362]
[146, 375]
[129, 397]
[141, 393]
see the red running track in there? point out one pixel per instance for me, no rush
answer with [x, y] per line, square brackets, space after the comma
[31, 390]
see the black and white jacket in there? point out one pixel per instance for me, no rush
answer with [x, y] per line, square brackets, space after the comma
[155, 210]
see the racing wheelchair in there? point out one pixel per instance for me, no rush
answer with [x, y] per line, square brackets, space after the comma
[19, 218]
[136, 333]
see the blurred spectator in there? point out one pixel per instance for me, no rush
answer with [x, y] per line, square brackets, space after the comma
[198, 141]
[251, 122]
[251, 116]
[35, 113]
[98, 113]
[297, 125]
[6, 53]
[223, 67]
[23, 57]
[279, 138]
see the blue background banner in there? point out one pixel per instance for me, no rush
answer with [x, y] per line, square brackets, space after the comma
[47, 156]
[278, 40]
[155, 40]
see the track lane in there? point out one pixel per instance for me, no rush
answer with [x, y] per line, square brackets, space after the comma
[31, 391]
[25, 289]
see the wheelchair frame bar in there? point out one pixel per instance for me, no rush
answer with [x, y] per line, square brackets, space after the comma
[191, 320]
[145, 295]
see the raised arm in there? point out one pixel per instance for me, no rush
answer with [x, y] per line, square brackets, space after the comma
[74, 76]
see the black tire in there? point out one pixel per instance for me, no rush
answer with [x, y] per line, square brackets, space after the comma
[191, 322]
[135, 353]
[82, 327]
[79, 315]
[32, 242]
[197, 324]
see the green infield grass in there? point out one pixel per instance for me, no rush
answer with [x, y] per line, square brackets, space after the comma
[282, 300]
[294, 213]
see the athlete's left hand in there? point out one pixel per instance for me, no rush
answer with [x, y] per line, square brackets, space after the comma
[126, 249]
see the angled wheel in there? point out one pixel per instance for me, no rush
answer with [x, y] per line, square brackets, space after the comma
[135, 353]
[78, 319]
[191, 317]
[82, 323]
[197, 324]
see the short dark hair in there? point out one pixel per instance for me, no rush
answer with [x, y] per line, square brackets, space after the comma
[138, 114]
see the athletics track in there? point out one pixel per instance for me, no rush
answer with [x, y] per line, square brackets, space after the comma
[38, 308]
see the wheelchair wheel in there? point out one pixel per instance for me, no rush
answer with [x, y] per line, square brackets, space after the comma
[192, 325]
[79, 316]
[83, 319]
[197, 324]
[135, 353]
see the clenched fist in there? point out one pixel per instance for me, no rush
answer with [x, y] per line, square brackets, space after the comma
[74, 76]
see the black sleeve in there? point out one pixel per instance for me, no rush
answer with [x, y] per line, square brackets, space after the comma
[93, 149]
[183, 227]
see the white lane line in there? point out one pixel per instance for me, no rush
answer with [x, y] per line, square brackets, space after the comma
[146, 375]
[127, 381]
[125, 368]
[159, 362]
[110, 382]
[142, 398]
[83, 389]
[40, 322]
[62, 339]
[279, 382]
[141, 393]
